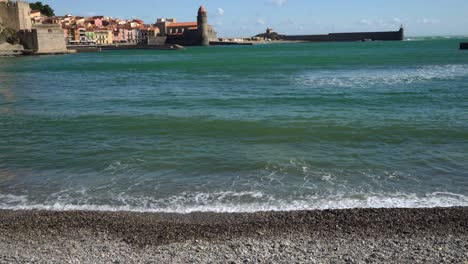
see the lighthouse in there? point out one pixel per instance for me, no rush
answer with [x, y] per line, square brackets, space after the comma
[202, 20]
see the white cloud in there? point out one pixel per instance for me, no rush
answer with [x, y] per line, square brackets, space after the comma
[278, 2]
[220, 11]
[397, 20]
[428, 21]
[218, 23]
[382, 24]
[261, 21]
[365, 22]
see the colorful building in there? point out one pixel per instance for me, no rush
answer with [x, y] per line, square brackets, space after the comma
[104, 36]
[106, 30]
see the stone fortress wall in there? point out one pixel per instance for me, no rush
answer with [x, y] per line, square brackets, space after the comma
[356, 36]
[15, 15]
[44, 39]
[37, 39]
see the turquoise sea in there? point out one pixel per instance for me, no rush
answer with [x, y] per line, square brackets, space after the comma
[241, 128]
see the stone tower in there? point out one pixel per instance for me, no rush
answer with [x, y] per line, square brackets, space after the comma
[202, 20]
[15, 15]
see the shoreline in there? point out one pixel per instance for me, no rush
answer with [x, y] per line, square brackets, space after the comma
[409, 235]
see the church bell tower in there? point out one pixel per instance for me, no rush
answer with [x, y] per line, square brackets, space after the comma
[202, 20]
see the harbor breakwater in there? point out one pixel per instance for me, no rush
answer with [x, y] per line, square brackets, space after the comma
[339, 37]
[357, 36]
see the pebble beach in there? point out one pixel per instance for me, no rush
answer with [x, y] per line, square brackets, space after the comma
[438, 235]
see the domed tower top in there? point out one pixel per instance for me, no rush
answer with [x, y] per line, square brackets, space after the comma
[202, 10]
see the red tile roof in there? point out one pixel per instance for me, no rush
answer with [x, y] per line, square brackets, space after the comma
[183, 24]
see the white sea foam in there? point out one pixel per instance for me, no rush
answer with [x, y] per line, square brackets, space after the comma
[219, 202]
[368, 77]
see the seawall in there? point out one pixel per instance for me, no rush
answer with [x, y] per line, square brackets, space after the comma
[354, 36]
[98, 48]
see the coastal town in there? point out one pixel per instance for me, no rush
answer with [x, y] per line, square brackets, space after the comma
[98, 29]
[105, 30]
[32, 31]
[24, 30]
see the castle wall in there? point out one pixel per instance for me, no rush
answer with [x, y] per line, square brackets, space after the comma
[384, 36]
[15, 15]
[50, 38]
[312, 38]
[212, 34]
[24, 15]
[28, 38]
[44, 39]
[357, 36]
[9, 15]
[189, 38]
[156, 41]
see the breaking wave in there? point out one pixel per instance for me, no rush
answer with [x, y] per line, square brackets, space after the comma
[362, 78]
[218, 202]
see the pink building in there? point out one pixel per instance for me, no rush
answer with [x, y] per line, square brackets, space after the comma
[127, 35]
[65, 34]
[121, 35]
[94, 22]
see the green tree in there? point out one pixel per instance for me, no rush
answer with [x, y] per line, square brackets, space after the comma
[46, 10]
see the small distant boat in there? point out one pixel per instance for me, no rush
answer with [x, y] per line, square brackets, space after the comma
[171, 47]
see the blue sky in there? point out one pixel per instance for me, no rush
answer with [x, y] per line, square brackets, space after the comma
[249, 17]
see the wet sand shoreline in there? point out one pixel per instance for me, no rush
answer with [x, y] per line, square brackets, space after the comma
[329, 236]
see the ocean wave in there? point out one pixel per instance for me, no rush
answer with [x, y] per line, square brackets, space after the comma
[216, 202]
[362, 78]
